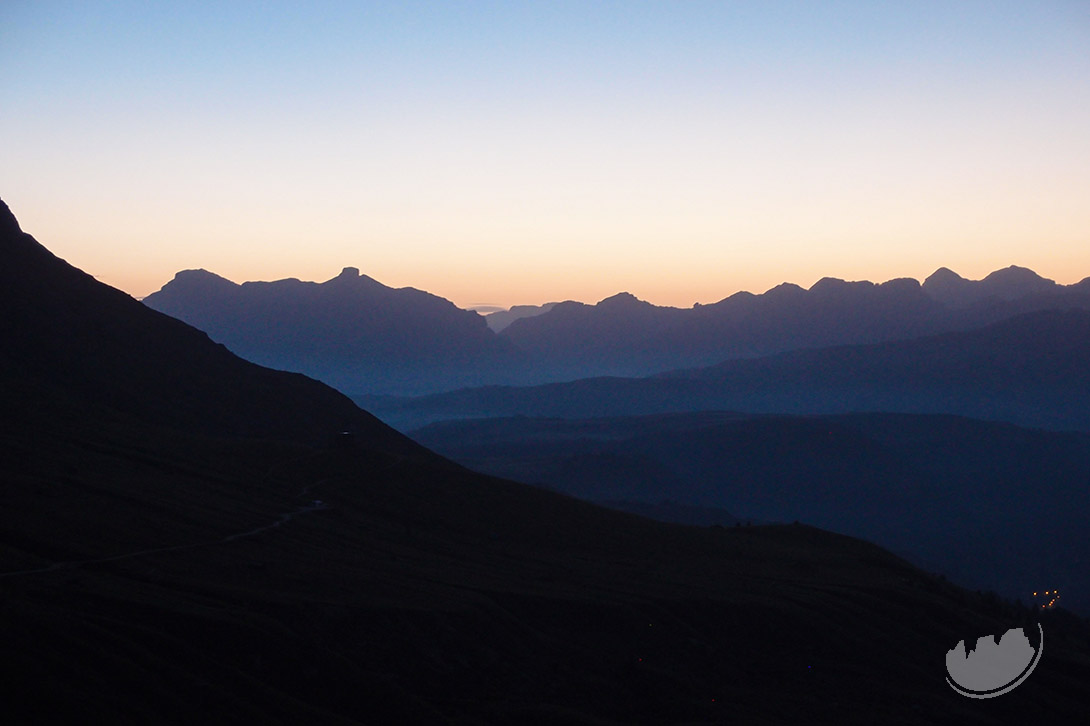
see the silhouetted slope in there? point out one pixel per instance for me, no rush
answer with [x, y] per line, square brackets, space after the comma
[153, 574]
[64, 330]
[351, 331]
[1032, 370]
[989, 505]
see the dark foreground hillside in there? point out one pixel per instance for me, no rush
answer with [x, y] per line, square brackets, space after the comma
[158, 571]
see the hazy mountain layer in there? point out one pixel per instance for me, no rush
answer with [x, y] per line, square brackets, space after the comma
[1032, 370]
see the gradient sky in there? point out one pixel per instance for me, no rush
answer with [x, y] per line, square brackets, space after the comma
[517, 152]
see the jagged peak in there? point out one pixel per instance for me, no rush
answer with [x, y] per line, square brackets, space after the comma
[353, 277]
[8, 222]
[625, 299]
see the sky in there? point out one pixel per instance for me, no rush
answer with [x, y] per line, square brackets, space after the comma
[519, 152]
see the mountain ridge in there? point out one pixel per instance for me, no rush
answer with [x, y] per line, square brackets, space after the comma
[364, 337]
[350, 331]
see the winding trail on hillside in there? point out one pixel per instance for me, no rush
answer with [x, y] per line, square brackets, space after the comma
[314, 506]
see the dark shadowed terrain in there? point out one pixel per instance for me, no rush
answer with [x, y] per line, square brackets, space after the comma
[990, 505]
[188, 538]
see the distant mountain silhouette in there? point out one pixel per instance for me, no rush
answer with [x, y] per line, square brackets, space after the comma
[351, 332]
[366, 338]
[610, 337]
[991, 505]
[182, 542]
[1032, 370]
[1007, 284]
[622, 336]
[500, 319]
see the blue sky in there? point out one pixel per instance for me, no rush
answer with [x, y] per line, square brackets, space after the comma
[520, 152]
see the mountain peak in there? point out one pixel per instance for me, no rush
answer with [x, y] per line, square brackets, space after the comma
[943, 276]
[947, 286]
[349, 273]
[1014, 273]
[785, 288]
[1009, 283]
[622, 299]
[8, 222]
[199, 279]
[198, 274]
[1014, 282]
[833, 285]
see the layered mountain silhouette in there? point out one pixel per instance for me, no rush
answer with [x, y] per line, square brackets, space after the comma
[1032, 369]
[365, 338]
[990, 505]
[165, 559]
[622, 336]
[351, 331]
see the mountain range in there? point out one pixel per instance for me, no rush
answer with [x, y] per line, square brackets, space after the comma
[1032, 369]
[352, 332]
[365, 338]
[624, 336]
[188, 537]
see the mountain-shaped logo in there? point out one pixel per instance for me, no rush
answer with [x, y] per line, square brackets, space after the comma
[993, 668]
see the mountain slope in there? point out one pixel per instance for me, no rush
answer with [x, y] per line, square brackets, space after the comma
[64, 331]
[161, 568]
[351, 331]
